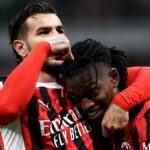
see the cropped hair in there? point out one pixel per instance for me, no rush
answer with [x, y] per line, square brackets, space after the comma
[91, 51]
[17, 26]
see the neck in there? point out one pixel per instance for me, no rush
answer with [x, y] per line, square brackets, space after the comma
[46, 77]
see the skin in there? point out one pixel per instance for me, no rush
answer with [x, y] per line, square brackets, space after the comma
[111, 118]
[115, 118]
[45, 27]
[40, 29]
[94, 97]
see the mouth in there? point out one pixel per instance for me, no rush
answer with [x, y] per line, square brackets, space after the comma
[94, 114]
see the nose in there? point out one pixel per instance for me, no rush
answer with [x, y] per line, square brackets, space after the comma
[55, 32]
[86, 105]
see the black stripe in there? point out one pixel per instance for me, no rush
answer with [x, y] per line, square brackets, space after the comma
[77, 141]
[147, 118]
[134, 112]
[106, 144]
[135, 136]
[34, 125]
[135, 139]
[94, 139]
[52, 114]
[47, 100]
[119, 139]
[61, 99]
[95, 135]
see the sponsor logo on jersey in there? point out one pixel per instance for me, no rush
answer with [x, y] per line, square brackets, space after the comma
[64, 128]
[126, 146]
[146, 146]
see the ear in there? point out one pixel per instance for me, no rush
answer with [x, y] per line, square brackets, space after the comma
[114, 77]
[21, 48]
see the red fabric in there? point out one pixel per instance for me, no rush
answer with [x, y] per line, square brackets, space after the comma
[22, 80]
[41, 123]
[1, 143]
[19, 97]
[136, 91]
[137, 132]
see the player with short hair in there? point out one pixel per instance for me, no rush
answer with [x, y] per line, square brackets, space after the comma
[48, 119]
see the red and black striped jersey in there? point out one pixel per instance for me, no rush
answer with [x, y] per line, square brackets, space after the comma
[35, 116]
[136, 135]
[46, 121]
[52, 122]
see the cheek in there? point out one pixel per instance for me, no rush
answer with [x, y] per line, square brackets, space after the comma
[105, 96]
[109, 94]
[33, 40]
[85, 104]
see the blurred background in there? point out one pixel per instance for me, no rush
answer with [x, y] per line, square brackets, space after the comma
[121, 23]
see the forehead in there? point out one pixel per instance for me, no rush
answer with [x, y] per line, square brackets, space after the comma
[43, 20]
[82, 81]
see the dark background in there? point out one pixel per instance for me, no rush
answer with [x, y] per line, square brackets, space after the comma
[121, 23]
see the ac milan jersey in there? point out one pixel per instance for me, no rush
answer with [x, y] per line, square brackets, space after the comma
[47, 124]
[11, 134]
[136, 135]
[11, 137]
[48, 120]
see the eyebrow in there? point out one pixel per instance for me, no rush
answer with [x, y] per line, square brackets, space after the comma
[60, 26]
[49, 27]
[43, 28]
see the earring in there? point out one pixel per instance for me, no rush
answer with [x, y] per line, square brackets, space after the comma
[115, 90]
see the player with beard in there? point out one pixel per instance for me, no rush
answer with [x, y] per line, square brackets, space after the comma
[48, 120]
[12, 98]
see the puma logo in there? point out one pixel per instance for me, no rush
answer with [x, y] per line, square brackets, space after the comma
[45, 105]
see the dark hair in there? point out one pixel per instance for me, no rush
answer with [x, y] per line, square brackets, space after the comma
[17, 26]
[91, 51]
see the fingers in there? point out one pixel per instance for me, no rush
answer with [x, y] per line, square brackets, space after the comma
[61, 47]
[58, 43]
[115, 119]
[55, 61]
[109, 128]
[105, 131]
[69, 56]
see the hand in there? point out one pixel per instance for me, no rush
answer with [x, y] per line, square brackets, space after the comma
[115, 118]
[60, 47]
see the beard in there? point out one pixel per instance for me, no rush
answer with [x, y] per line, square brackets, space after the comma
[48, 67]
[51, 69]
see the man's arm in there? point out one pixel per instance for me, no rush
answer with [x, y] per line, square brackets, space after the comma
[136, 92]
[116, 116]
[20, 85]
